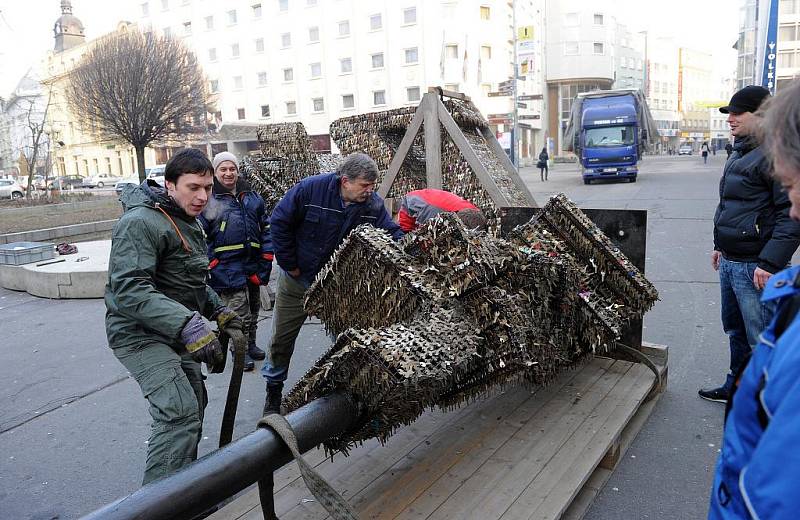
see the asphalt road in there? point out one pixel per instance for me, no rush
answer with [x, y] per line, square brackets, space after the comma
[73, 425]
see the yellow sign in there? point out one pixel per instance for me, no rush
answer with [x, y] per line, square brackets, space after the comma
[525, 33]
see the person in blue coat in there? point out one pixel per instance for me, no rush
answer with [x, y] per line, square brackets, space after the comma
[758, 470]
[307, 225]
[239, 247]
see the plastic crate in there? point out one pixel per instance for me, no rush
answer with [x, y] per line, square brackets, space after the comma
[18, 253]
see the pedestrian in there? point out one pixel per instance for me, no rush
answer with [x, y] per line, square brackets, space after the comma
[728, 150]
[156, 301]
[753, 235]
[714, 149]
[307, 225]
[704, 152]
[542, 164]
[239, 247]
[419, 206]
[759, 465]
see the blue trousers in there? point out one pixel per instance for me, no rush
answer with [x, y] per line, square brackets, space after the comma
[744, 316]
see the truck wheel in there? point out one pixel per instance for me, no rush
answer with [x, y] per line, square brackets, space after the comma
[587, 181]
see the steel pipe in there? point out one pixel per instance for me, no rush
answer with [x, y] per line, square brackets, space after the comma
[222, 473]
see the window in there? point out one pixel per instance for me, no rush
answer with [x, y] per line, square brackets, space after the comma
[348, 101]
[212, 54]
[379, 97]
[377, 60]
[412, 55]
[346, 65]
[571, 20]
[313, 34]
[288, 74]
[344, 28]
[598, 19]
[209, 23]
[286, 40]
[145, 9]
[375, 22]
[319, 104]
[262, 79]
[256, 10]
[164, 5]
[291, 108]
[316, 70]
[232, 17]
[187, 27]
[283, 5]
[410, 15]
[412, 93]
[788, 33]
[486, 52]
[260, 45]
[213, 85]
[240, 113]
[238, 83]
[451, 51]
[788, 7]
[486, 12]
[451, 86]
[264, 110]
[235, 50]
[571, 48]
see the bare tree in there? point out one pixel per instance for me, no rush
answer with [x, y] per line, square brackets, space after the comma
[139, 88]
[32, 150]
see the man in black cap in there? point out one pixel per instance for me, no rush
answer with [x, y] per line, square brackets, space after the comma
[753, 235]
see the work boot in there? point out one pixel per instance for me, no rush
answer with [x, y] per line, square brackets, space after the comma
[719, 395]
[249, 364]
[273, 401]
[254, 352]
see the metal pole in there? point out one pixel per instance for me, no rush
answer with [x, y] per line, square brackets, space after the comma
[515, 128]
[224, 472]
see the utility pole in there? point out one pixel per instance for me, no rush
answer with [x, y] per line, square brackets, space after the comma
[515, 128]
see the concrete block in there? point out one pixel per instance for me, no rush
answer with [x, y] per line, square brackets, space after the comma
[12, 277]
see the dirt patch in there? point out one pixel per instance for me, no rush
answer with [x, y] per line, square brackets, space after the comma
[23, 217]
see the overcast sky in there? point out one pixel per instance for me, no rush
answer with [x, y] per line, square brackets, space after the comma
[26, 27]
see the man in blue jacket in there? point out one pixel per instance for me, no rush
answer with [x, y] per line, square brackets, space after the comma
[307, 225]
[753, 235]
[239, 247]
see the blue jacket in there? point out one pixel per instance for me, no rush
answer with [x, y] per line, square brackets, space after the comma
[311, 220]
[758, 470]
[237, 232]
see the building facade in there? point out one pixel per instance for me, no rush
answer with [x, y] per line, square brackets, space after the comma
[24, 107]
[661, 90]
[314, 61]
[752, 44]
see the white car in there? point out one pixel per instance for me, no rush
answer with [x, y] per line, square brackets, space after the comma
[103, 180]
[157, 173]
[118, 187]
[10, 189]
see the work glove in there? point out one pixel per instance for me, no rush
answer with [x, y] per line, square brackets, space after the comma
[254, 279]
[202, 342]
[269, 257]
[227, 320]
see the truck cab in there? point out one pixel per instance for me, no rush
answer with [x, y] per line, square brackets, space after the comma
[609, 139]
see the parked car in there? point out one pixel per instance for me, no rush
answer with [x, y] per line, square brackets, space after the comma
[10, 189]
[119, 186]
[157, 173]
[103, 180]
[38, 182]
[67, 182]
[685, 149]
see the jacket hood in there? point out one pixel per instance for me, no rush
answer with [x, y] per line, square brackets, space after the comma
[152, 195]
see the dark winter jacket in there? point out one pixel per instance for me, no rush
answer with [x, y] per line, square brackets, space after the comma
[752, 221]
[237, 232]
[157, 271]
[311, 220]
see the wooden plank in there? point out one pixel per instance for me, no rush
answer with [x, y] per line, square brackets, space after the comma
[491, 141]
[470, 485]
[489, 425]
[551, 492]
[402, 151]
[433, 142]
[469, 154]
[448, 93]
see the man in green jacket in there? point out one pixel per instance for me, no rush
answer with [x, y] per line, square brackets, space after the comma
[156, 299]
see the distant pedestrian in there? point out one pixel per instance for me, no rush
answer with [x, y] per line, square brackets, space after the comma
[759, 463]
[714, 149]
[542, 164]
[753, 235]
[729, 149]
[704, 152]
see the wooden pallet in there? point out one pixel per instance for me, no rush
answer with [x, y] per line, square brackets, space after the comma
[518, 454]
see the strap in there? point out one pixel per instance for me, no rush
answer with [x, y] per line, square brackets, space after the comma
[329, 498]
[180, 235]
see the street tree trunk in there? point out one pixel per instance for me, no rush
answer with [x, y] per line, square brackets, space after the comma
[140, 162]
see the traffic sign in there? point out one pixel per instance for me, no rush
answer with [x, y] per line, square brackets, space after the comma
[505, 84]
[522, 105]
[530, 116]
[529, 97]
[507, 115]
[503, 93]
[500, 121]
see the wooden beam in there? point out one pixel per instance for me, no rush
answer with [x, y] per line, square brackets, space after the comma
[402, 151]
[491, 140]
[460, 141]
[433, 142]
[448, 93]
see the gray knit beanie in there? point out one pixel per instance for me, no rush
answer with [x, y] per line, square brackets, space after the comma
[222, 157]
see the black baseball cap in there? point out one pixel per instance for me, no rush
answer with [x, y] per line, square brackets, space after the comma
[746, 100]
